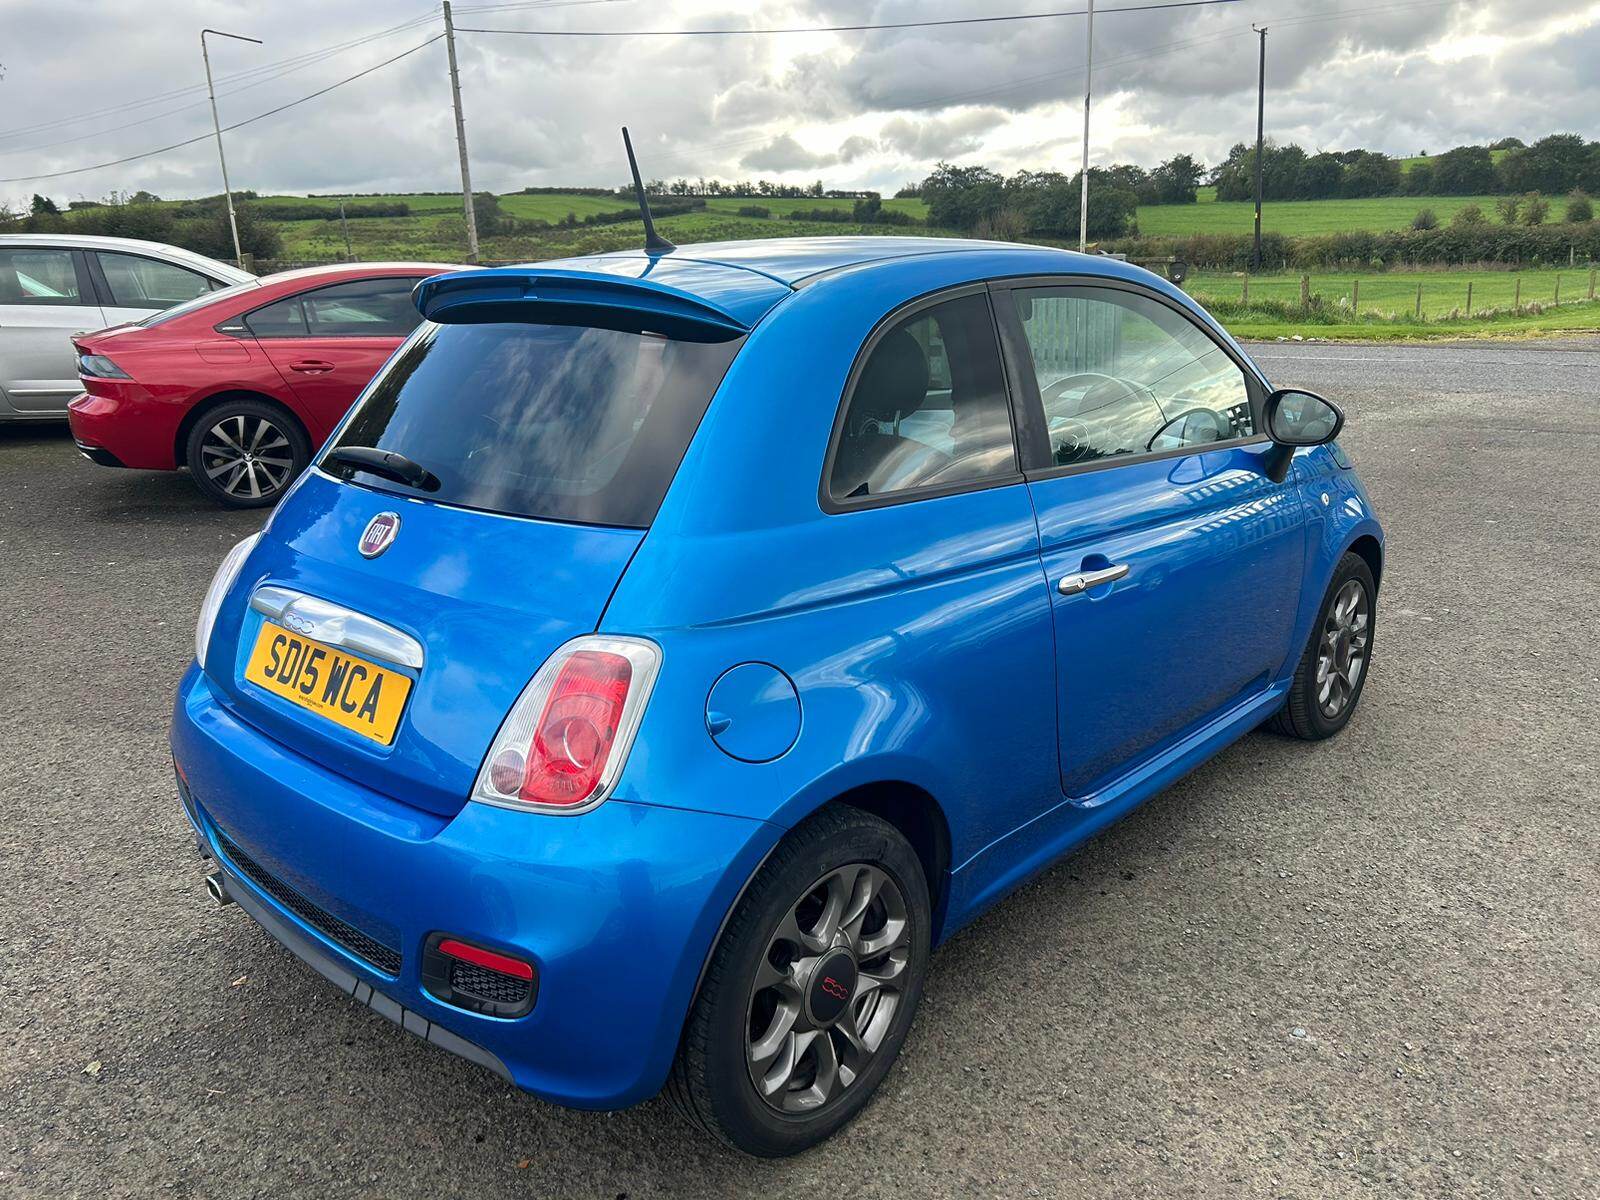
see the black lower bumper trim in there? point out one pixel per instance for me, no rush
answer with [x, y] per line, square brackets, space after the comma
[98, 454]
[346, 982]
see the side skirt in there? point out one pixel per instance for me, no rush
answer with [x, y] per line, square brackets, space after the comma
[1012, 860]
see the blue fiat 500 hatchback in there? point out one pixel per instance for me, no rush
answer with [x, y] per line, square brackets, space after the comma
[670, 649]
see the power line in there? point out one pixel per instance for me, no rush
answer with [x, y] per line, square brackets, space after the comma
[927, 24]
[268, 71]
[309, 61]
[271, 112]
[948, 98]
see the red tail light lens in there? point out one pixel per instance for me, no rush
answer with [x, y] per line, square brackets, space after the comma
[563, 745]
[576, 732]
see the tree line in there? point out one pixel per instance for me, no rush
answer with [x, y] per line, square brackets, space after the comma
[1555, 164]
[1047, 203]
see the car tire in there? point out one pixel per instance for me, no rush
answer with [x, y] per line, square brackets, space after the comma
[844, 1036]
[242, 447]
[1338, 656]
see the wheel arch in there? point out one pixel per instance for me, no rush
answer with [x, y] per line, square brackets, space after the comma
[1368, 549]
[180, 443]
[921, 820]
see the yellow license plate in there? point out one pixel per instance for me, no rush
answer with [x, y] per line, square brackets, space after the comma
[349, 691]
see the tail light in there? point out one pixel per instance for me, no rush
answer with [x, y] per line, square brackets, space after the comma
[217, 592]
[567, 737]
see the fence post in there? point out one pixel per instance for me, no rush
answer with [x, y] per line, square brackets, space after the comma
[1558, 288]
[1305, 291]
[1355, 296]
[1591, 284]
[1244, 296]
[1419, 302]
[1469, 299]
[1516, 304]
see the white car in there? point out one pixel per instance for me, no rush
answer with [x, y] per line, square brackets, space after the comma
[53, 285]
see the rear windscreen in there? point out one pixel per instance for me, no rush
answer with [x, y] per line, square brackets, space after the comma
[559, 422]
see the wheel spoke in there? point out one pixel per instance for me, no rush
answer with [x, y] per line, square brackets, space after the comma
[776, 1038]
[789, 931]
[896, 932]
[221, 434]
[863, 891]
[826, 1080]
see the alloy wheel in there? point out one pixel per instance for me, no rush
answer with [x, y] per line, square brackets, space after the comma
[247, 456]
[1342, 654]
[827, 988]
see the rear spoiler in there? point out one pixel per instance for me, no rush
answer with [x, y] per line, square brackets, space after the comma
[559, 296]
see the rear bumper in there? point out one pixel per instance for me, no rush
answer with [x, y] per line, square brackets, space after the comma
[98, 455]
[617, 908]
[129, 428]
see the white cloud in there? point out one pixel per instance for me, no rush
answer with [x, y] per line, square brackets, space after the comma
[860, 109]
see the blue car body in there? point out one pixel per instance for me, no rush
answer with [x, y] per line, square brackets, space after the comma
[913, 656]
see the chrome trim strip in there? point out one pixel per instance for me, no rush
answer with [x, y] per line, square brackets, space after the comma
[336, 625]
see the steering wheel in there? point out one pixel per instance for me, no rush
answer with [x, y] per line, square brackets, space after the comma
[1092, 380]
[1210, 426]
[1069, 440]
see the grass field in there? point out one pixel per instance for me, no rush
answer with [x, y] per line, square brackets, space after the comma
[1299, 217]
[1388, 304]
[423, 228]
[1407, 163]
[436, 232]
[1395, 292]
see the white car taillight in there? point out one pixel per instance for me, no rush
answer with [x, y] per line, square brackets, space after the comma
[564, 744]
[220, 583]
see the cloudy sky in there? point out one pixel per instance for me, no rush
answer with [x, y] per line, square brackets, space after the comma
[83, 83]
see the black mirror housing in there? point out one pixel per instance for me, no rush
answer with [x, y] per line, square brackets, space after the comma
[1294, 418]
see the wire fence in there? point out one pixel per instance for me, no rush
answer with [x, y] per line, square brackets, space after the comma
[1421, 296]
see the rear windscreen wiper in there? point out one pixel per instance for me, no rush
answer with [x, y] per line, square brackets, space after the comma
[386, 463]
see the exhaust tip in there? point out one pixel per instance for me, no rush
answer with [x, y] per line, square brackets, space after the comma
[218, 887]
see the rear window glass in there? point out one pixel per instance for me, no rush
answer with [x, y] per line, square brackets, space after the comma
[559, 422]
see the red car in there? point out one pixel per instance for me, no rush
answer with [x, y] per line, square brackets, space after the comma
[242, 385]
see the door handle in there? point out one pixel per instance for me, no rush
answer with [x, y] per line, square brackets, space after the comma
[1071, 585]
[311, 366]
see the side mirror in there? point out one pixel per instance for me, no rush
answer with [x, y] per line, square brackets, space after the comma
[1297, 418]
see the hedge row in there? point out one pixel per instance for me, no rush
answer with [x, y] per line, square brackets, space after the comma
[1447, 245]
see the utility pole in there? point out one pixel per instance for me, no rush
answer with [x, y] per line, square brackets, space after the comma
[205, 55]
[1261, 124]
[461, 136]
[344, 227]
[1088, 87]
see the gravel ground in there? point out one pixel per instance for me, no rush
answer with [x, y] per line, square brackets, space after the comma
[1364, 968]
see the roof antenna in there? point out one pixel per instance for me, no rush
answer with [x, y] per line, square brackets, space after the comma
[654, 243]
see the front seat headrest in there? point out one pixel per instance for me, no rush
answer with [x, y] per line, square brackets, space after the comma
[894, 383]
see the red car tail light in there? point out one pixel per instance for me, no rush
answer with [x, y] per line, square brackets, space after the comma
[564, 743]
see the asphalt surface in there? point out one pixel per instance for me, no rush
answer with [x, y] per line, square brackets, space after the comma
[1369, 967]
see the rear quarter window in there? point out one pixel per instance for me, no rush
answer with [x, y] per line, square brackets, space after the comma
[559, 422]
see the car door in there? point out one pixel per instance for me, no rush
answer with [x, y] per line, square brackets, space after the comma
[45, 298]
[328, 343]
[134, 286]
[1173, 561]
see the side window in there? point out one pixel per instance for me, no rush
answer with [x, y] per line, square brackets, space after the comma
[928, 408]
[42, 277]
[364, 308]
[1120, 374]
[278, 320]
[146, 283]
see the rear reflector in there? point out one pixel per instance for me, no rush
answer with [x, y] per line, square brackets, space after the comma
[505, 964]
[481, 981]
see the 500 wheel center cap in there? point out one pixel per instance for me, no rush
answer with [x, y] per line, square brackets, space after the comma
[833, 982]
